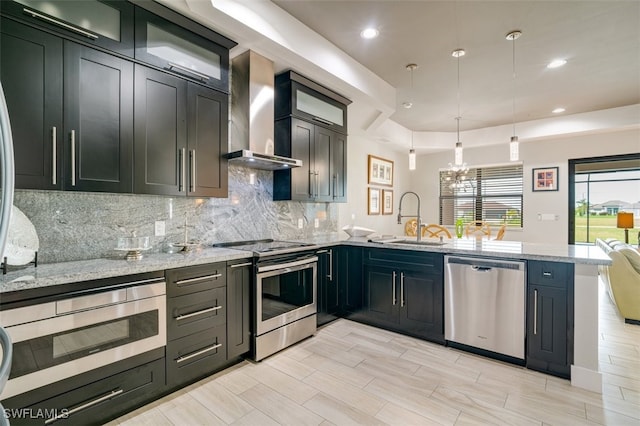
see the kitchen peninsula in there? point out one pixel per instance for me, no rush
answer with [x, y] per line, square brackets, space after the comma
[583, 259]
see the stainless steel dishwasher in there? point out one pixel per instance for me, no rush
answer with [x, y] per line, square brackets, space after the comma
[485, 304]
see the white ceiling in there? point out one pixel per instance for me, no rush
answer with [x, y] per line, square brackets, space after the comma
[599, 86]
[600, 40]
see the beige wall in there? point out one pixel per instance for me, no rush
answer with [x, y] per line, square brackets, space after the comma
[550, 152]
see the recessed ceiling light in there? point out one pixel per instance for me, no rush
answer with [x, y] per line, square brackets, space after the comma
[557, 63]
[369, 33]
[407, 105]
[558, 110]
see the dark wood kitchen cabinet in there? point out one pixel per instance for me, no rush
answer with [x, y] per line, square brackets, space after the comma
[196, 322]
[98, 120]
[311, 125]
[239, 282]
[89, 147]
[349, 275]
[322, 176]
[550, 317]
[180, 136]
[327, 286]
[105, 24]
[404, 291]
[33, 91]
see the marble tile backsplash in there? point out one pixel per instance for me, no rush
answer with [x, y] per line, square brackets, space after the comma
[81, 225]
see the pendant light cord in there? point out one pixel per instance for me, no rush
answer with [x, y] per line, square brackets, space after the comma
[513, 120]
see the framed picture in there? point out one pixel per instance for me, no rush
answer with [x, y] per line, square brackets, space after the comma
[373, 201]
[545, 179]
[380, 171]
[387, 201]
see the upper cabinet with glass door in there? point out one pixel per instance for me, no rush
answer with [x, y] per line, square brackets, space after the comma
[298, 96]
[107, 24]
[181, 51]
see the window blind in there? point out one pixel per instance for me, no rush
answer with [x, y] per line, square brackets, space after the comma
[491, 194]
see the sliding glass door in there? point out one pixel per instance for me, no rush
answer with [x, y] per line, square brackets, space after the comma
[599, 189]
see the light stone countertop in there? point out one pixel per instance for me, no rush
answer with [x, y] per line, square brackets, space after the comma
[85, 270]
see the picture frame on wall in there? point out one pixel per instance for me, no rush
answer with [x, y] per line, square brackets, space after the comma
[545, 179]
[387, 201]
[380, 171]
[373, 201]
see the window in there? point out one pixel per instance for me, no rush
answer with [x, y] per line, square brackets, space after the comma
[600, 188]
[491, 194]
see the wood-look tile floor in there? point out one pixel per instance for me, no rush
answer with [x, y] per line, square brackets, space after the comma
[350, 373]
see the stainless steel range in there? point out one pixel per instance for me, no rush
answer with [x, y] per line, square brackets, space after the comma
[285, 294]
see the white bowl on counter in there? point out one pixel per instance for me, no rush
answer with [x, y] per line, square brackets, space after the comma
[357, 231]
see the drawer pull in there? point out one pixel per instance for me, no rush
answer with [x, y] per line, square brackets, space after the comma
[200, 352]
[240, 265]
[89, 404]
[195, 280]
[193, 314]
[535, 312]
[64, 25]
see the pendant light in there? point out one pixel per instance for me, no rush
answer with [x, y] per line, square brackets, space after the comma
[412, 152]
[514, 147]
[458, 156]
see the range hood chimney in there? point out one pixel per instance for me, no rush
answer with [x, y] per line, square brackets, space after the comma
[252, 114]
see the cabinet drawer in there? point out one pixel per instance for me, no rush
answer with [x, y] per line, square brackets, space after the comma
[552, 274]
[193, 279]
[400, 259]
[102, 400]
[196, 355]
[196, 312]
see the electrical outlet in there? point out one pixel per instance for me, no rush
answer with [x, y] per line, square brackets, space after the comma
[300, 223]
[159, 228]
[316, 223]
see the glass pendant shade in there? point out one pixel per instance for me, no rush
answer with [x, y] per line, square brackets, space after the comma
[458, 154]
[412, 159]
[514, 149]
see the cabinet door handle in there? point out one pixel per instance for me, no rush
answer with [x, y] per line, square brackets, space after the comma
[181, 173]
[192, 183]
[535, 312]
[64, 25]
[188, 71]
[335, 185]
[54, 147]
[402, 289]
[393, 288]
[311, 186]
[200, 352]
[200, 312]
[89, 404]
[193, 280]
[546, 274]
[73, 158]
[330, 275]
[239, 265]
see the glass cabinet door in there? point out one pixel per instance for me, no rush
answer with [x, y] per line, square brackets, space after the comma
[108, 24]
[173, 48]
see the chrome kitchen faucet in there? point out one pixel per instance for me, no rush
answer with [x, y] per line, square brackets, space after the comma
[417, 216]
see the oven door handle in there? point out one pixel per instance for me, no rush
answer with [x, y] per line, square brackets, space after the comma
[290, 266]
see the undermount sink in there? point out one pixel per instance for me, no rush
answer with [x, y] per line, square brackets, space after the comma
[417, 243]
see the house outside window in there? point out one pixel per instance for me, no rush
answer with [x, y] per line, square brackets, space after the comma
[492, 194]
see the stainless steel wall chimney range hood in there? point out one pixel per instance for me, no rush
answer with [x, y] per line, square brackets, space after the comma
[252, 114]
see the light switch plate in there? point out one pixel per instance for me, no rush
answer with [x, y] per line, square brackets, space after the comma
[316, 223]
[159, 228]
[300, 223]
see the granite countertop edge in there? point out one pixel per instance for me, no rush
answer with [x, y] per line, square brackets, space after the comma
[86, 270]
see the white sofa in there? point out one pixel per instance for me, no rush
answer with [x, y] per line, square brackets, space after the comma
[622, 277]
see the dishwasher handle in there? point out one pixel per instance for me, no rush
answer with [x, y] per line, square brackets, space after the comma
[479, 264]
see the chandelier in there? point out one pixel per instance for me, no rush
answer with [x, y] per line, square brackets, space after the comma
[456, 175]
